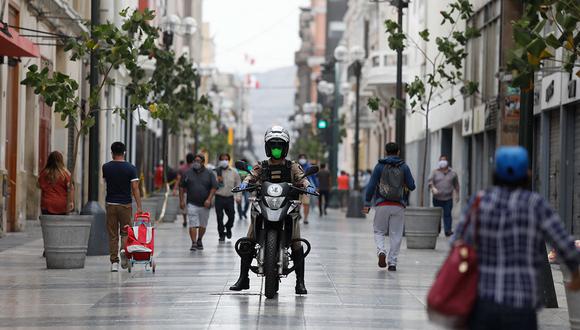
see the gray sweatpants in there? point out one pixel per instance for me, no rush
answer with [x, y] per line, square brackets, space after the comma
[389, 219]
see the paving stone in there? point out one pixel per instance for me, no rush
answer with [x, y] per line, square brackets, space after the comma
[190, 289]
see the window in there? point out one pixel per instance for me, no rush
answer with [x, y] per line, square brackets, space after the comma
[482, 64]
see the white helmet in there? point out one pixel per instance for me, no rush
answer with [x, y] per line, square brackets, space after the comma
[277, 137]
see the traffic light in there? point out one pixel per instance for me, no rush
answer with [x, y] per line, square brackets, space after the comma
[322, 123]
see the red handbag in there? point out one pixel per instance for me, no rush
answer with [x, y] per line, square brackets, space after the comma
[452, 295]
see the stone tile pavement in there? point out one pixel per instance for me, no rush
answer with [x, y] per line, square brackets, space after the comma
[190, 289]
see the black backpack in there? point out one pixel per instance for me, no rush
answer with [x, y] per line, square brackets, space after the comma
[392, 183]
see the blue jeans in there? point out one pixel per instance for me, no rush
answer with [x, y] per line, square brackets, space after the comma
[447, 206]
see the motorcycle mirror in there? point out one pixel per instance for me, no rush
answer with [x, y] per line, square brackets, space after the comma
[311, 170]
[242, 166]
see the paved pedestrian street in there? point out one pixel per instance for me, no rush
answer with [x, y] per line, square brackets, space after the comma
[346, 289]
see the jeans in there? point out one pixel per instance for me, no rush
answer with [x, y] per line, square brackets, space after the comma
[447, 206]
[244, 205]
[490, 315]
[224, 205]
[389, 219]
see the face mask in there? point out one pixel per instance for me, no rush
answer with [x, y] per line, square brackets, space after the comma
[302, 161]
[443, 164]
[224, 163]
[196, 166]
[277, 153]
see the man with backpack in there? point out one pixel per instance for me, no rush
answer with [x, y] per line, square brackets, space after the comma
[388, 188]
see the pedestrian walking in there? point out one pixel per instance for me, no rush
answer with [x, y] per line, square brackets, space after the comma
[343, 181]
[512, 224]
[244, 203]
[158, 179]
[388, 187]
[444, 185]
[183, 168]
[200, 185]
[323, 188]
[122, 181]
[303, 161]
[227, 179]
[56, 189]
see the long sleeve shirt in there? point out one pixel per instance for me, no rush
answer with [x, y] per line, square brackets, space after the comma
[445, 182]
[230, 180]
[296, 170]
[513, 225]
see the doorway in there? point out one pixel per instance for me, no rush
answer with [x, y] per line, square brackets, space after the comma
[12, 93]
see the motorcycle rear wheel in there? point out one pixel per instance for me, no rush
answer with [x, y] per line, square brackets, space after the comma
[270, 262]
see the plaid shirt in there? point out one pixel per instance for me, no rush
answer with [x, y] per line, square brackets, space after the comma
[513, 225]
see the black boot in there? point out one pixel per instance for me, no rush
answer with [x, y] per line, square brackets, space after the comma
[243, 282]
[298, 258]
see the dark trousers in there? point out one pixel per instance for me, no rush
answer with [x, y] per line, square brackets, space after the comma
[447, 206]
[244, 204]
[224, 205]
[324, 195]
[492, 316]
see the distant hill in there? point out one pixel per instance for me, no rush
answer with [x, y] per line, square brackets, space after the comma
[272, 103]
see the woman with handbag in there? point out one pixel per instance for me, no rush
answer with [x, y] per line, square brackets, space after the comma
[508, 226]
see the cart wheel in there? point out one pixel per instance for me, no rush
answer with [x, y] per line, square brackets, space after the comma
[153, 267]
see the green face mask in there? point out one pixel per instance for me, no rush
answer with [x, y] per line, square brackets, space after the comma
[277, 153]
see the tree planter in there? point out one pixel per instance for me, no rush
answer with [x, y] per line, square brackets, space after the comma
[150, 205]
[573, 299]
[171, 209]
[65, 240]
[422, 227]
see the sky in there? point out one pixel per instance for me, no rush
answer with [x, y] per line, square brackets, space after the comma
[263, 30]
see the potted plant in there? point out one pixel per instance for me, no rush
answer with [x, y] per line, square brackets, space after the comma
[66, 236]
[445, 68]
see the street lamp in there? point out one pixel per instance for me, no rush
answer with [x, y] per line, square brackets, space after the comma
[400, 111]
[171, 25]
[357, 55]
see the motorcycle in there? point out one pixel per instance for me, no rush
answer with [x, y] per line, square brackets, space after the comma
[273, 226]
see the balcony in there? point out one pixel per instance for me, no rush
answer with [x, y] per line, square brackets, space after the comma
[381, 69]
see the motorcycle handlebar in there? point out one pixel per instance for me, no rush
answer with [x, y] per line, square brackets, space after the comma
[249, 188]
[254, 187]
[304, 191]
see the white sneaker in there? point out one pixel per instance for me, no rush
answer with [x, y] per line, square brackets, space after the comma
[114, 267]
[124, 261]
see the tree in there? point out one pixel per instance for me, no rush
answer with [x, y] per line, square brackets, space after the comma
[115, 47]
[533, 48]
[443, 69]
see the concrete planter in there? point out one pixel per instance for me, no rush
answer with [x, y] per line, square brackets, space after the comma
[573, 299]
[422, 227]
[150, 205]
[65, 240]
[172, 209]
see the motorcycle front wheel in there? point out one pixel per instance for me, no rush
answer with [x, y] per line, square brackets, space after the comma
[270, 262]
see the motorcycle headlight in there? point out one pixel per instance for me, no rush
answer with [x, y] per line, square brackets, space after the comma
[274, 202]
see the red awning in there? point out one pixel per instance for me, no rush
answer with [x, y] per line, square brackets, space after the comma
[17, 46]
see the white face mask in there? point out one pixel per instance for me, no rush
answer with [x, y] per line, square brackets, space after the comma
[302, 161]
[196, 165]
[443, 164]
[224, 163]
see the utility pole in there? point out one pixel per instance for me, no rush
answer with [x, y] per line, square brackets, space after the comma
[400, 108]
[526, 140]
[355, 204]
[98, 239]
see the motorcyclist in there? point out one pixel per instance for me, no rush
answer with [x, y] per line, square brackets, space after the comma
[276, 169]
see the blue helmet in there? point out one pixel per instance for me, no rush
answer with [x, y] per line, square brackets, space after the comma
[511, 163]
